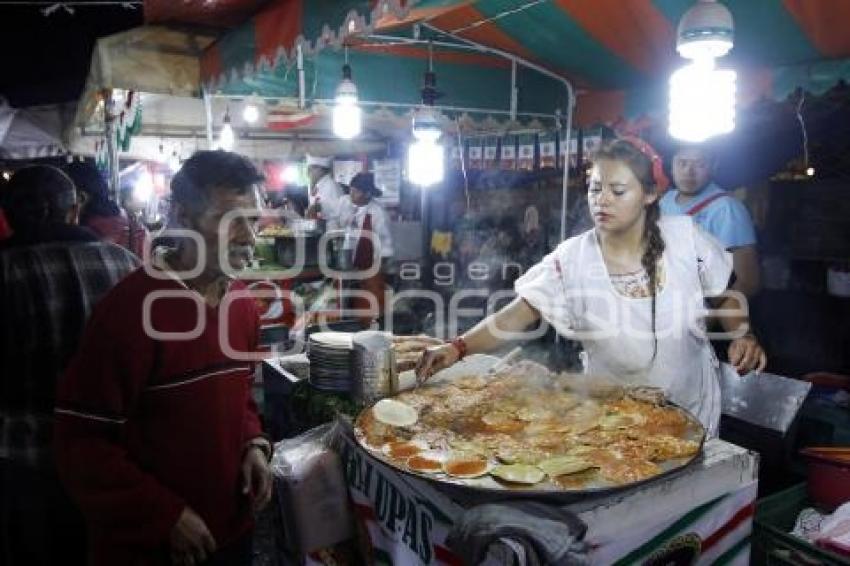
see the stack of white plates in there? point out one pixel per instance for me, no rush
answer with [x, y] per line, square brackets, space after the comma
[330, 355]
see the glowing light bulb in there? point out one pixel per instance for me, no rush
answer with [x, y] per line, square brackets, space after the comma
[702, 101]
[226, 139]
[251, 113]
[143, 187]
[425, 162]
[347, 116]
[174, 162]
[291, 174]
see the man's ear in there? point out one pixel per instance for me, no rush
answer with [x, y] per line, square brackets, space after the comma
[181, 215]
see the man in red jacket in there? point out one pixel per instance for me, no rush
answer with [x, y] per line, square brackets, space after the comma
[157, 436]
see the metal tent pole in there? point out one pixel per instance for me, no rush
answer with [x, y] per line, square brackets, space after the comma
[302, 88]
[565, 189]
[209, 118]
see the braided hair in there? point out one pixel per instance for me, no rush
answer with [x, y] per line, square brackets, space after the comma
[641, 160]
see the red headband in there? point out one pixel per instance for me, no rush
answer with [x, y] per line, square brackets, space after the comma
[658, 175]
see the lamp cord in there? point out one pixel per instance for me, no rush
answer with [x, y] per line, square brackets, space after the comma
[803, 129]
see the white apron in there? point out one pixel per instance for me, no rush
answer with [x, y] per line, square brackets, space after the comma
[572, 291]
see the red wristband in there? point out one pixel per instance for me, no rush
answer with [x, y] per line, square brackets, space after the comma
[460, 345]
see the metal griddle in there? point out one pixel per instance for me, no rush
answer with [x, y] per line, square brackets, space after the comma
[493, 489]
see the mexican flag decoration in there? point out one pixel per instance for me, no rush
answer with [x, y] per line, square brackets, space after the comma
[129, 121]
[476, 154]
[491, 153]
[508, 161]
[525, 159]
[548, 151]
[100, 157]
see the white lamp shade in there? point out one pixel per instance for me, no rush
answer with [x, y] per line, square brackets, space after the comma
[706, 30]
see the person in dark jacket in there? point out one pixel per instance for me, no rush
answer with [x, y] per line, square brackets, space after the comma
[52, 273]
[102, 215]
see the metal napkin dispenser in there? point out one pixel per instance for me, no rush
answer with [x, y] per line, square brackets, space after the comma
[374, 369]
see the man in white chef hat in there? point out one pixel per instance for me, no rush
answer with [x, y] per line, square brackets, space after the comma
[324, 193]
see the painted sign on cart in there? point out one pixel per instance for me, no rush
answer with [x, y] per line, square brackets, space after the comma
[407, 521]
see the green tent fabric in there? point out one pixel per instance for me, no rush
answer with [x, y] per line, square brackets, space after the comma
[618, 53]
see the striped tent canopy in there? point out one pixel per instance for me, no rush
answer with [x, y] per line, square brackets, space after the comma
[617, 53]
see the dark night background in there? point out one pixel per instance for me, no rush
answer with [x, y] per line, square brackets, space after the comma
[45, 59]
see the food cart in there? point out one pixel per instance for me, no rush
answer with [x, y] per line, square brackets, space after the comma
[707, 507]
[507, 76]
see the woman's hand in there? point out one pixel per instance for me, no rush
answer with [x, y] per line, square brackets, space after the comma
[746, 354]
[435, 359]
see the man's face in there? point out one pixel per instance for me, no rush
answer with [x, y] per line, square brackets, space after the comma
[692, 170]
[239, 230]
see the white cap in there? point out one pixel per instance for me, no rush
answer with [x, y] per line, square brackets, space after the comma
[325, 162]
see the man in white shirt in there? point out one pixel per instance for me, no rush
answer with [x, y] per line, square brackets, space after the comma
[324, 193]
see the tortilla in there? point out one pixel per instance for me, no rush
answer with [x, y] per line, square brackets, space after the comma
[395, 413]
[518, 473]
[564, 465]
[466, 467]
[426, 462]
[401, 450]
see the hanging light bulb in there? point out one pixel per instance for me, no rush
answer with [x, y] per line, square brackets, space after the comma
[347, 117]
[143, 186]
[251, 110]
[174, 162]
[227, 138]
[426, 157]
[702, 97]
[705, 31]
[702, 102]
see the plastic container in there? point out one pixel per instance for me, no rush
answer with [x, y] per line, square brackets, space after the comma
[828, 478]
[311, 492]
[772, 539]
[828, 380]
[838, 282]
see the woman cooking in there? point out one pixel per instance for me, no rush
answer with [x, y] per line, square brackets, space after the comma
[632, 290]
